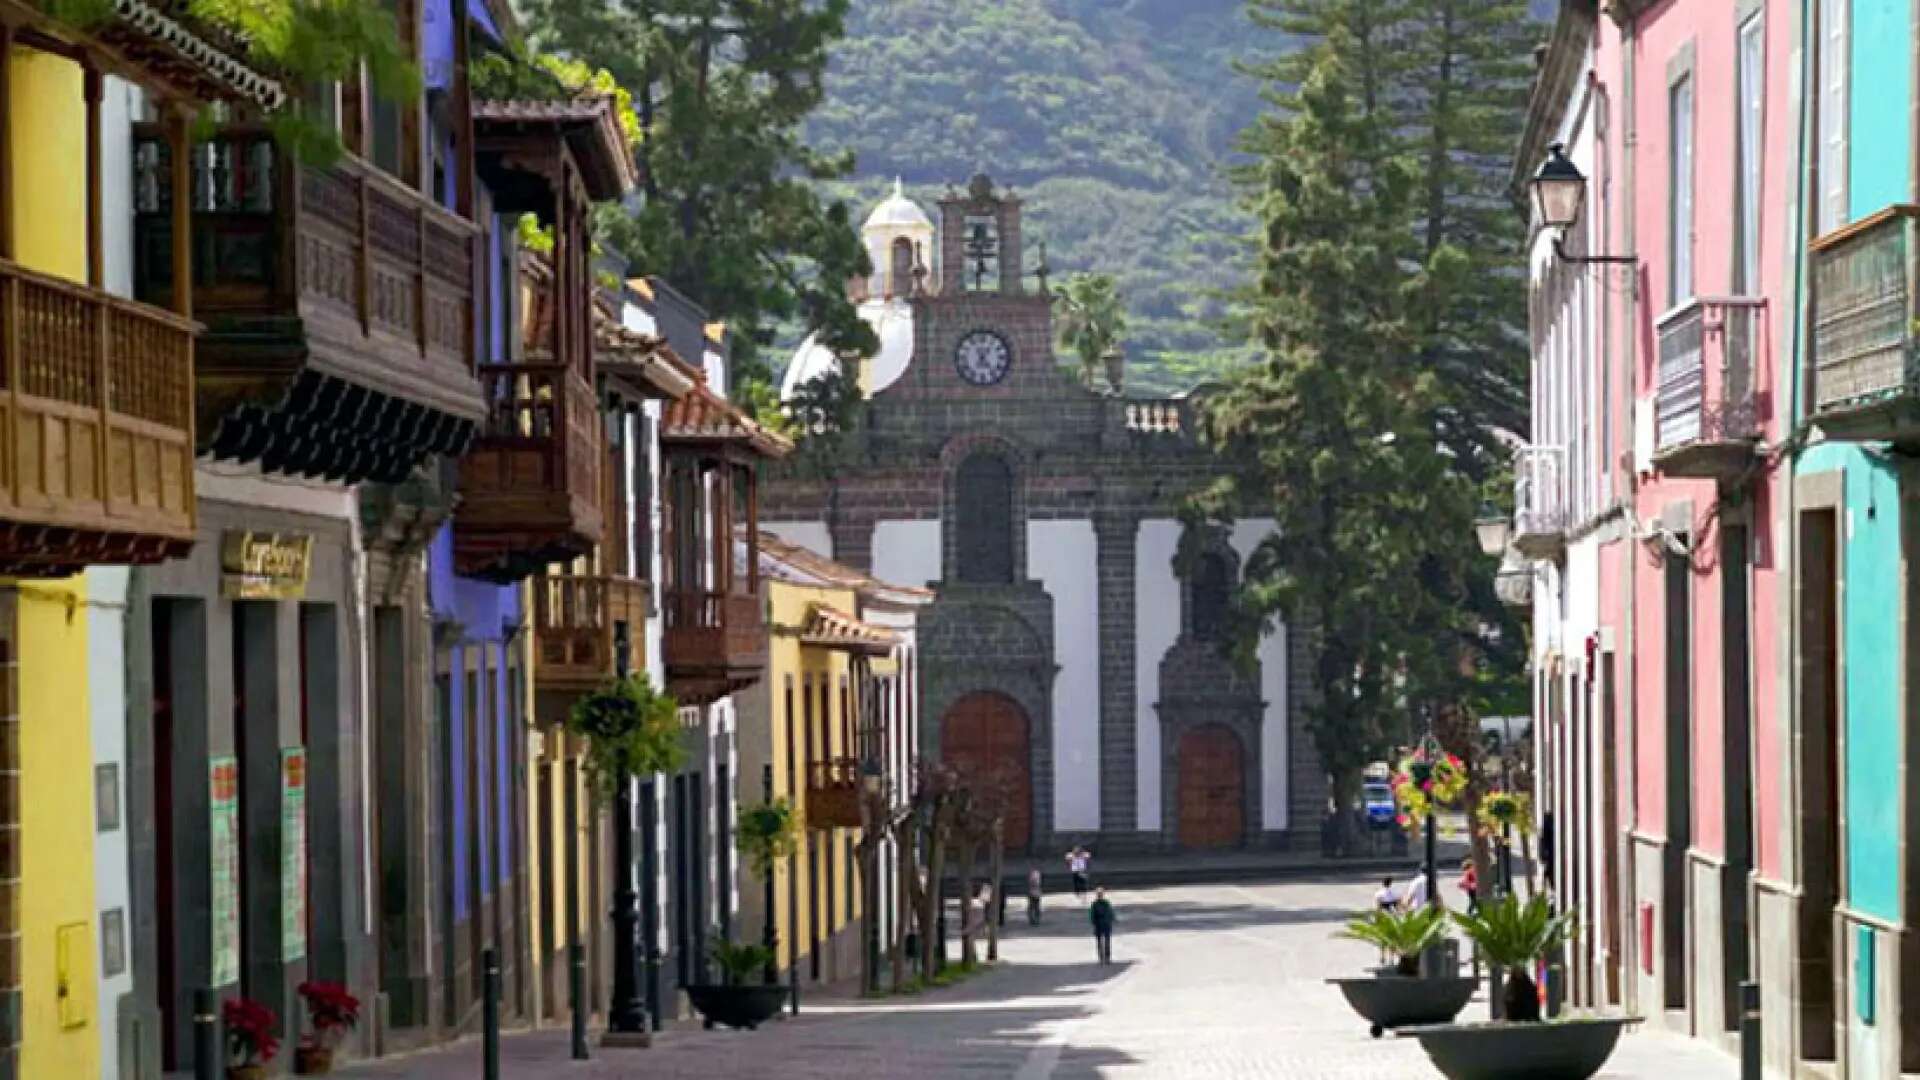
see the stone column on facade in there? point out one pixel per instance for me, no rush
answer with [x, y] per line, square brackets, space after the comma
[402, 679]
[1306, 776]
[1114, 533]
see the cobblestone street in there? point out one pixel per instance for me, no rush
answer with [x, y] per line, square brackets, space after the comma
[1217, 981]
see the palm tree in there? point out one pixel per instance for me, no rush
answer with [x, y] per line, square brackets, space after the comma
[1514, 933]
[1092, 320]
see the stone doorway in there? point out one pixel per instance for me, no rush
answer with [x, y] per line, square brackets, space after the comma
[1212, 798]
[987, 734]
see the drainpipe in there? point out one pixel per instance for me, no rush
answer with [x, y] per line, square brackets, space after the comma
[1630, 128]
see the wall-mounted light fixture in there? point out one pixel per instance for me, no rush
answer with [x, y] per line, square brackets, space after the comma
[1559, 191]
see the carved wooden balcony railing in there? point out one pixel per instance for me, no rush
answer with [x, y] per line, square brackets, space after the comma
[715, 643]
[96, 408]
[1540, 501]
[1866, 354]
[574, 618]
[530, 483]
[833, 794]
[338, 305]
[1706, 409]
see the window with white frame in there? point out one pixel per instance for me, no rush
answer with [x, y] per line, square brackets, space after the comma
[1834, 82]
[1750, 85]
[1680, 190]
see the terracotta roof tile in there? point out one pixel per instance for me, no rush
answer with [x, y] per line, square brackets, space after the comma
[704, 416]
[834, 629]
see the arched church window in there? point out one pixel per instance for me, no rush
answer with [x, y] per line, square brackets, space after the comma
[983, 503]
[900, 268]
[1212, 592]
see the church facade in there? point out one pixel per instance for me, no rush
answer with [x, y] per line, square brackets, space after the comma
[1073, 647]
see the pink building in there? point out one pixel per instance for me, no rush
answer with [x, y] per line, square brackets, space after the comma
[1659, 319]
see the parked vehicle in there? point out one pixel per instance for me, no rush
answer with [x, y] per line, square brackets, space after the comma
[1378, 798]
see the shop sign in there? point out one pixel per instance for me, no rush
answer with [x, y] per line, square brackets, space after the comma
[223, 776]
[264, 565]
[293, 853]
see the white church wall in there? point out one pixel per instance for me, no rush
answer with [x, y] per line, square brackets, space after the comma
[1061, 556]
[906, 552]
[1156, 604]
[1274, 735]
[812, 535]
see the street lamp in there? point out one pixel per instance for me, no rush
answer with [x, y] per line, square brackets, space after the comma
[626, 1015]
[1559, 192]
[1494, 529]
[872, 784]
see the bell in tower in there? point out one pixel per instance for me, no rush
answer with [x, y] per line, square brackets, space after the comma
[980, 240]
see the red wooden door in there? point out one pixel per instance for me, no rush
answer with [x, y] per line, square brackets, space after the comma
[985, 734]
[1211, 794]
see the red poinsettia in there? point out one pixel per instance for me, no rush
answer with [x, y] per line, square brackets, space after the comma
[250, 1032]
[331, 1011]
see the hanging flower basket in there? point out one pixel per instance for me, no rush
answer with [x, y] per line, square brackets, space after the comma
[1502, 810]
[1426, 780]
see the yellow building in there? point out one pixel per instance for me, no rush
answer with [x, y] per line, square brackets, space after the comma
[834, 710]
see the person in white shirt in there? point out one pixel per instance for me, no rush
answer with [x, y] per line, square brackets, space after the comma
[1034, 893]
[1416, 897]
[1386, 899]
[1077, 861]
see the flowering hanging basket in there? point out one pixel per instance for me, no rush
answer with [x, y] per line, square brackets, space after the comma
[1502, 810]
[1424, 781]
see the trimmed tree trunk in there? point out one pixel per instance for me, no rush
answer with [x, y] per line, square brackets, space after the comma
[996, 866]
[969, 955]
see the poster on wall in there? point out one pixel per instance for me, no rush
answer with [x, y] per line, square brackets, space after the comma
[293, 853]
[223, 776]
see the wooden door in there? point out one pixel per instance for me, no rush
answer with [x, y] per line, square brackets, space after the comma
[1212, 799]
[986, 734]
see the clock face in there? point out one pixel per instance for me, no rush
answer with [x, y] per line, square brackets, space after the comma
[982, 357]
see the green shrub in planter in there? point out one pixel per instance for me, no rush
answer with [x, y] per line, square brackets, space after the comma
[1513, 934]
[737, 962]
[1405, 934]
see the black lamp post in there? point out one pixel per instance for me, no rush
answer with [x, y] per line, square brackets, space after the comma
[770, 936]
[626, 1015]
[871, 784]
[1420, 772]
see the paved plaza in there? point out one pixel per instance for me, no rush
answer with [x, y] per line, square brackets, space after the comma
[1208, 981]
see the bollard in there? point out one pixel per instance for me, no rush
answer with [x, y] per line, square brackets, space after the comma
[1556, 990]
[206, 1035]
[1450, 949]
[1749, 1031]
[577, 991]
[490, 1014]
[1496, 992]
[793, 990]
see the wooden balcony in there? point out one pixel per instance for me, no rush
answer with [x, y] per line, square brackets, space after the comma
[574, 619]
[715, 643]
[833, 794]
[530, 483]
[1866, 375]
[96, 428]
[1706, 407]
[338, 304]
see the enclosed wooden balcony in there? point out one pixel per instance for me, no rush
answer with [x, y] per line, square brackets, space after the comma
[530, 484]
[96, 407]
[715, 643]
[575, 629]
[338, 304]
[833, 794]
[1866, 375]
[1707, 406]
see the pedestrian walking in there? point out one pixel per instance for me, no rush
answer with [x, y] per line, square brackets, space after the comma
[1470, 884]
[1386, 899]
[1077, 862]
[1102, 915]
[1416, 895]
[1034, 893]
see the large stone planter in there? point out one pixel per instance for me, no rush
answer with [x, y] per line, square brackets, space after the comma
[737, 1006]
[1569, 1049]
[1387, 1001]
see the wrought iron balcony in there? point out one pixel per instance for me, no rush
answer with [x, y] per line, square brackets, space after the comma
[96, 399]
[715, 643]
[1540, 501]
[338, 304]
[1866, 376]
[833, 794]
[530, 484]
[574, 618]
[1706, 408]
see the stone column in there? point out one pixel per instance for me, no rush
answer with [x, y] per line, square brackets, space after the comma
[1114, 533]
[853, 542]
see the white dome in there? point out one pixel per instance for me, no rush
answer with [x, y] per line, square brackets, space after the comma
[892, 322]
[899, 212]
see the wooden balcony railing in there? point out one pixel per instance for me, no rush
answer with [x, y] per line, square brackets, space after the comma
[96, 407]
[1706, 408]
[574, 617]
[833, 794]
[715, 643]
[338, 293]
[530, 483]
[1866, 358]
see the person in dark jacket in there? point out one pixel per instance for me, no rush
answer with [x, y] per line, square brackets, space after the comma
[1102, 915]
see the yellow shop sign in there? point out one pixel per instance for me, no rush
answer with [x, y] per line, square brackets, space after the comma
[264, 565]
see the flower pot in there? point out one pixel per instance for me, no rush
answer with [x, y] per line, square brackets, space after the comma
[246, 1072]
[1571, 1049]
[1389, 1001]
[737, 1006]
[313, 1060]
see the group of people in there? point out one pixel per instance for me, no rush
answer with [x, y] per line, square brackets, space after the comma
[1415, 895]
[1100, 913]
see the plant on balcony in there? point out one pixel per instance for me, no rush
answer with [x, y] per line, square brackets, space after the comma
[1405, 934]
[1515, 934]
[630, 730]
[251, 1039]
[331, 1012]
[768, 832]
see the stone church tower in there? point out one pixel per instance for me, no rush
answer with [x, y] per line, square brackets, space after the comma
[1073, 647]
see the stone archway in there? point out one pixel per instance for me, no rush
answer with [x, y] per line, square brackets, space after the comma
[1211, 792]
[988, 733]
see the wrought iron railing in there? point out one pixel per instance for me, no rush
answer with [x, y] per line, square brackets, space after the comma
[1539, 492]
[1708, 370]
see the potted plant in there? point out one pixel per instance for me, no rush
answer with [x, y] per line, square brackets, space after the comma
[331, 1013]
[1515, 934]
[1398, 996]
[251, 1042]
[734, 1003]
